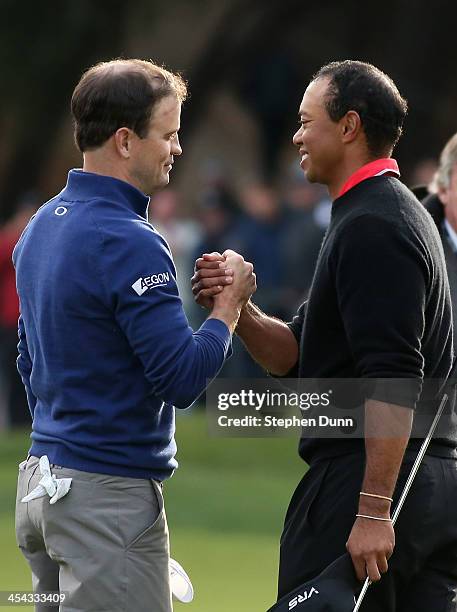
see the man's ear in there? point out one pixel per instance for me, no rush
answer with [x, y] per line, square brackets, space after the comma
[443, 195]
[351, 126]
[123, 142]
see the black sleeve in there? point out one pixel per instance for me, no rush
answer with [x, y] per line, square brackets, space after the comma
[381, 278]
[296, 325]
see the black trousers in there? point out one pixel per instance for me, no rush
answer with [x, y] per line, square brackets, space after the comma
[423, 569]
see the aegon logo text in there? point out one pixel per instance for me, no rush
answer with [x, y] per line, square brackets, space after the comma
[304, 596]
[149, 282]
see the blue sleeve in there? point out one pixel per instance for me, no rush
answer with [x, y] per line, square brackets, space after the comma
[24, 364]
[140, 281]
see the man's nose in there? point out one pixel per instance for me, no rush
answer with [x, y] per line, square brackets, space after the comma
[297, 137]
[176, 149]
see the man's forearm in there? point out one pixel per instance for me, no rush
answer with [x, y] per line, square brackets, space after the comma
[229, 313]
[387, 431]
[269, 341]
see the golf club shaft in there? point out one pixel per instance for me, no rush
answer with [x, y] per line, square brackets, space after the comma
[418, 460]
[407, 487]
[366, 584]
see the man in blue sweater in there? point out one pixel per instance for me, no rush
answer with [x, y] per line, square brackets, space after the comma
[106, 351]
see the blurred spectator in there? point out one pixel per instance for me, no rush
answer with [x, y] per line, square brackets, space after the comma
[269, 89]
[421, 177]
[217, 212]
[310, 208]
[215, 187]
[13, 389]
[442, 205]
[258, 236]
[282, 241]
[216, 222]
[182, 234]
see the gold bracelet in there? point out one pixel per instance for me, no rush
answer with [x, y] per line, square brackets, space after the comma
[376, 496]
[374, 518]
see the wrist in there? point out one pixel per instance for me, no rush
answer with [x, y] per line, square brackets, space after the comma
[227, 312]
[247, 313]
[370, 517]
[374, 506]
[227, 301]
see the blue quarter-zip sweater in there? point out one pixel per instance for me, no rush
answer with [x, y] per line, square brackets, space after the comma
[105, 348]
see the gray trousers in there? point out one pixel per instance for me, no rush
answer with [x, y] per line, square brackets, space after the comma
[105, 544]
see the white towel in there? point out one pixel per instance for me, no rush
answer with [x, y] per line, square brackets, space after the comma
[50, 485]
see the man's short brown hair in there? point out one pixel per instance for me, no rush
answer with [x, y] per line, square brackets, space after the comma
[120, 93]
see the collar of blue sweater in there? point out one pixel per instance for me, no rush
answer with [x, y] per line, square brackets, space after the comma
[83, 186]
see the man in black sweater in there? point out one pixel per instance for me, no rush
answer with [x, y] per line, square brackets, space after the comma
[379, 308]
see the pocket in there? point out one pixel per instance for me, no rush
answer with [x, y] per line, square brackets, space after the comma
[150, 510]
[83, 523]
[423, 472]
[301, 507]
[312, 494]
[21, 515]
[26, 472]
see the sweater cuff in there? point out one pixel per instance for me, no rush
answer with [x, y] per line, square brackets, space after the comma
[220, 329]
[400, 391]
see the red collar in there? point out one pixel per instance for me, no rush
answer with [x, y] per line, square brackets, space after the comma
[375, 168]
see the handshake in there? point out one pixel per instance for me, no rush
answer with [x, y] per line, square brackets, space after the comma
[223, 284]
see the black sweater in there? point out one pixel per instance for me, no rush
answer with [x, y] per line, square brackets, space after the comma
[436, 209]
[379, 305]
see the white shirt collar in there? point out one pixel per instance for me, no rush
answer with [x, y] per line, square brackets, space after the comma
[451, 233]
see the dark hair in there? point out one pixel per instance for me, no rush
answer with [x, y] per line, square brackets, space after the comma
[363, 88]
[119, 93]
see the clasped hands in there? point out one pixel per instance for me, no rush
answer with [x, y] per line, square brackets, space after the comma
[220, 277]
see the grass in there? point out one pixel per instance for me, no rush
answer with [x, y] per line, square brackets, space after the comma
[225, 507]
